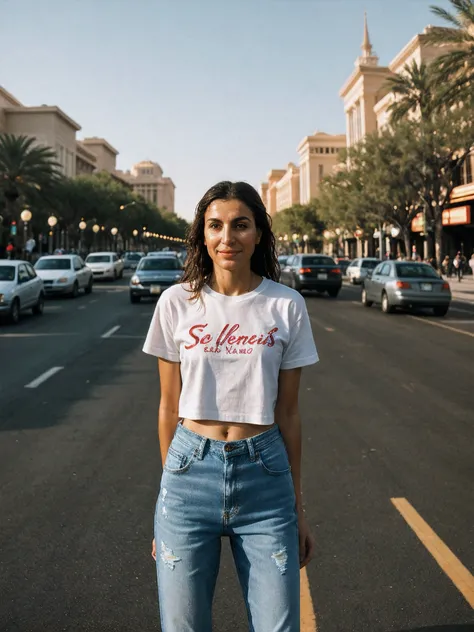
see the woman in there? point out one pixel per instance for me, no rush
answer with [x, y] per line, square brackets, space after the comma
[230, 343]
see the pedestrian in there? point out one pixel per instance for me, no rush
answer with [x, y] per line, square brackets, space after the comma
[445, 266]
[458, 266]
[230, 343]
[471, 264]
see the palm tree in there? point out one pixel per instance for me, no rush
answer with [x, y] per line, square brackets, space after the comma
[415, 91]
[27, 170]
[455, 68]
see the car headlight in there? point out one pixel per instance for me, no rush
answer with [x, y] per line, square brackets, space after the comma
[63, 280]
[177, 277]
[135, 280]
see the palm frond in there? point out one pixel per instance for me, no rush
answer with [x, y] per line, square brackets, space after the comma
[448, 17]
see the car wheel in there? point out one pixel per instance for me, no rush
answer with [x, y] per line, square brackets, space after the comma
[115, 275]
[39, 307]
[440, 310]
[365, 301]
[75, 290]
[88, 288]
[134, 298]
[386, 307]
[15, 312]
[333, 292]
[121, 274]
[353, 281]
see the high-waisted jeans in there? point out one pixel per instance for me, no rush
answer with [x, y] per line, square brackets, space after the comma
[242, 490]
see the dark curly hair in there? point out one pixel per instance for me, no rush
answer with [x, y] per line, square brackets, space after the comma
[198, 267]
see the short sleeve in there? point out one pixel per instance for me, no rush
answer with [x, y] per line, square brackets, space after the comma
[300, 350]
[160, 340]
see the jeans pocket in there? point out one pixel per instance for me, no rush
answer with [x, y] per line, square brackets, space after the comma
[179, 460]
[274, 459]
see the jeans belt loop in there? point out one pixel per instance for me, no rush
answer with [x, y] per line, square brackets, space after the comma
[251, 448]
[201, 448]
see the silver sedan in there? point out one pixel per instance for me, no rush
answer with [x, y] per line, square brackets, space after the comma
[406, 284]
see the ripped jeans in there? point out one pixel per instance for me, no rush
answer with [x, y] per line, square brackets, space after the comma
[242, 490]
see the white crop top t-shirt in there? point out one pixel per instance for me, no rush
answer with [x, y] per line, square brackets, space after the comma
[231, 348]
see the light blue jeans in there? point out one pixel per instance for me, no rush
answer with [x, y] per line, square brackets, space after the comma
[242, 490]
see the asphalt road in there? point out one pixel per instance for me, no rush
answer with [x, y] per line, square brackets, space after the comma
[388, 413]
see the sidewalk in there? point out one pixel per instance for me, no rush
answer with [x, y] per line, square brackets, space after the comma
[463, 291]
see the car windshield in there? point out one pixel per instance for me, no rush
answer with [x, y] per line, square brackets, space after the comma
[318, 261]
[98, 259]
[415, 270]
[54, 264]
[370, 264]
[7, 273]
[133, 257]
[160, 263]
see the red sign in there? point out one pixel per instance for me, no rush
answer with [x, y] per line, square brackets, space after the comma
[457, 215]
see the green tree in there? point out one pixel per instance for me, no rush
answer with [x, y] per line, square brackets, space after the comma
[27, 172]
[302, 219]
[416, 93]
[455, 68]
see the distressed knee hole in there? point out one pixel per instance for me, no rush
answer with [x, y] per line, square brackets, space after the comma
[281, 558]
[168, 557]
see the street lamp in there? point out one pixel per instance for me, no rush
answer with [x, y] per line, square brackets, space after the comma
[82, 227]
[52, 221]
[114, 232]
[123, 206]
[95, 230]
[305, 239]
[26, 216]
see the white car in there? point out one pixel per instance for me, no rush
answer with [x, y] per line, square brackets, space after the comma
[20, 288]
[64, 274]
[358, 269]
[105, 265]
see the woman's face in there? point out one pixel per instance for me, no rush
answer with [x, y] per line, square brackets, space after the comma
[230, 234]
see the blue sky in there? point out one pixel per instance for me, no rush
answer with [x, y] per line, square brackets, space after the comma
[210, 89]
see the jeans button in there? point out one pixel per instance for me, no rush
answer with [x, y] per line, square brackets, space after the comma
[228, 448]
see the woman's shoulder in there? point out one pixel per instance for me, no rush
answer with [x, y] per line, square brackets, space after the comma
[177, 292]
[277, 290]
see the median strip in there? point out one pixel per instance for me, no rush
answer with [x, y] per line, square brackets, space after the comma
[44, 376]
[111, 332]
[430, 322]
[449, 563]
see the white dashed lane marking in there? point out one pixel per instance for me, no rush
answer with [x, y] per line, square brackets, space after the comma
[111, 331]
[44, 376]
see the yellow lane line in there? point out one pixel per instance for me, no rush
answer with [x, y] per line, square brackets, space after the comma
[449, 563]
[430, 322]
[307, 614]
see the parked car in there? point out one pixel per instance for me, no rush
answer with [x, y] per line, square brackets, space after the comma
[131, 259]
[20, 289]
[357, 270]
[105, 265]
[163, 253]
[312, 272]
[406, 284]
[64, 274]
[343, 263]
[153, 275]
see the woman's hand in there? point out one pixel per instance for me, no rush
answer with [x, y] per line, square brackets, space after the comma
[306, 540]
[153, 549]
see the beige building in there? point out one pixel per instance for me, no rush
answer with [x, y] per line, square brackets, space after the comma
[319, 156]
[86, 161]
[366, 86]
[53, 128]
[146, 179]
[288, 188]
[48, 124]
[270, 188]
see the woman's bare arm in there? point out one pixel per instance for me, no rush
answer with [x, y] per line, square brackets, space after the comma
[170, 390]
[287, 416]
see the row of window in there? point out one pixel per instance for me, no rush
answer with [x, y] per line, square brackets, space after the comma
[324, 150]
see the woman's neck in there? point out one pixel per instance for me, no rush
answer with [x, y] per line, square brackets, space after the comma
[233, 284]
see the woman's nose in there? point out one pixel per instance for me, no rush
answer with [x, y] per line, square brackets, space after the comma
[227, 235]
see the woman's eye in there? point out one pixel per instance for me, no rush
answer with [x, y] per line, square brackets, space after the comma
[213, 226]
[241, 226]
